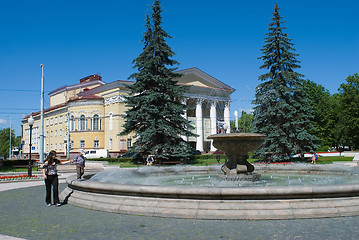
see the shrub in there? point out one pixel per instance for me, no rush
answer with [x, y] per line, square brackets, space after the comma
[10, 163]
[323, 149]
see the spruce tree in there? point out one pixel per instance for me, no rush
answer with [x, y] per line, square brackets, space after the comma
[282, 110]
[155, 100]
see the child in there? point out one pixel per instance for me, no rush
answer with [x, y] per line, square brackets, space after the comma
[314, 158]
[149, 160]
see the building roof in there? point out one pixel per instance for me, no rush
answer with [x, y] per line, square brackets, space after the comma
[90, 80]
[46, 110]
[206, 77]
[215, 84]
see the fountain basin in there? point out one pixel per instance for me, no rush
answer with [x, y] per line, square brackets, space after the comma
[277, 202]
[236, 146]
[239, 143]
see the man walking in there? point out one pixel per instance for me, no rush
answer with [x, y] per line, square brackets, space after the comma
[80, 163]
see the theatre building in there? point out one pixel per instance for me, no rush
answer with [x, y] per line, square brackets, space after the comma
[90, 115]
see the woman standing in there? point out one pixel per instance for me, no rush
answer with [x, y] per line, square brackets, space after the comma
[49, 173]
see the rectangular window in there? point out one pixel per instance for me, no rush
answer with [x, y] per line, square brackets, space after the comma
[60, 132]
[47, 122]
[51, 121]
[60, 147]
[96, 144]
[82, 144]
[122, 144]
[60, 119]
[55, 120]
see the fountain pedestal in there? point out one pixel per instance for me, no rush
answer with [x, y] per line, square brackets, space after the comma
[236, 146]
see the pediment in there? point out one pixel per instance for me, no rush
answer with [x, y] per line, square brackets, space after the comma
[198, 78]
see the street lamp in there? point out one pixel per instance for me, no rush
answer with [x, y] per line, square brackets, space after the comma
[30, 121]
[129, 142]
[65, 145]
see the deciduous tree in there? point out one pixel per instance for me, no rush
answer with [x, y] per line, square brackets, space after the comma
[349, 111]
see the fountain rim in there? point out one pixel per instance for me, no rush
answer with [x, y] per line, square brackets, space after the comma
[216, 193]
[224, 135]
[237, 136]
[303, 202]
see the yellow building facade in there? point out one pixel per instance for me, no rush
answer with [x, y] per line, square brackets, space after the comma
[90, 115]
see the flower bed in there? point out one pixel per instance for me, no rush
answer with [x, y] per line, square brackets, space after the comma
[18, 177]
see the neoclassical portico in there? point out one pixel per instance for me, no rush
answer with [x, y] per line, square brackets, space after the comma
[208, 102]
[208, 116]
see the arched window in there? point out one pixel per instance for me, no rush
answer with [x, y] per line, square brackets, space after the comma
[82, 123]
[96, 123]
[72, 123]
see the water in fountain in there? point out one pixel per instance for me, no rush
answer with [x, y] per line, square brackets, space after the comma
[294, 175]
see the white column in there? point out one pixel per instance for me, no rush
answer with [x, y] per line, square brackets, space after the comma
[213, 118]
[184, 115]
[227, 117]
[199, 125]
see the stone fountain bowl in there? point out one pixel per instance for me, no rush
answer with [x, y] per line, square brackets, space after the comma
[205, 202]
[237, 142]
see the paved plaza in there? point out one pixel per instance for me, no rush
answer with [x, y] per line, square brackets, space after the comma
[24, 215]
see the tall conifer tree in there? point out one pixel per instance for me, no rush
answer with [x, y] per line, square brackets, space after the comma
[282, 109]
[155, 102]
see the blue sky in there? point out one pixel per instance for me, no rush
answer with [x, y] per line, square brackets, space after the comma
[76, 38]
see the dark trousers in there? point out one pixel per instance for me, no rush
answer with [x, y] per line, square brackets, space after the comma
[80, 169]
[52, 180]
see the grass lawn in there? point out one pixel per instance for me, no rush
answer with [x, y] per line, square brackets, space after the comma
[202, 160]
[329, 160]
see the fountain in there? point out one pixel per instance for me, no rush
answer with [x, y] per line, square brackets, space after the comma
[218, 202]
[236, 146]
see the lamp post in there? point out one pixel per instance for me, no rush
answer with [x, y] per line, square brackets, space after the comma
[10, 140]
[129, 142]
[42, 116]
[65, 145]
[236, 120]
[30, 121]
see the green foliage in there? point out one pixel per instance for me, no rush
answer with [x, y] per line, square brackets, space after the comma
[323, 148]
[282, 111]
[245, 123]
[349, 111]
[326, 113]
[155, 102]
[10, 163]
[5, 140]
